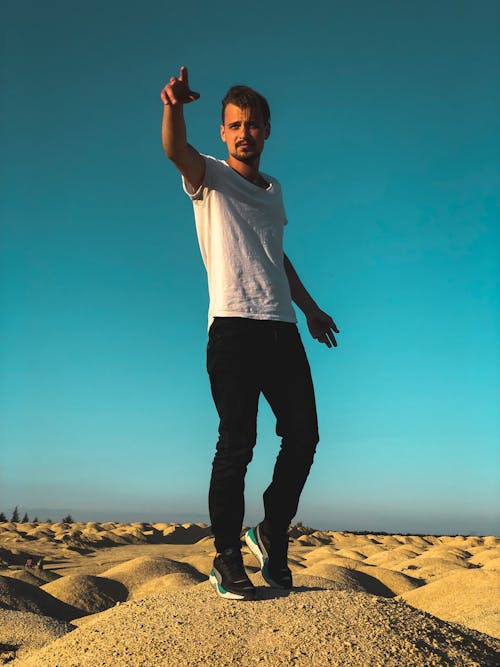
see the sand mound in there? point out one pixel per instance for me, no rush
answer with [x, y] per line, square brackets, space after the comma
[131, 534]
[22, 632]
[484, 556]
[169, 582]
[322, 536]
[408, 551]
[369, 549]
[138, 571]
[307, 627]
[320, 553]
[344, 578]
[395, 583]
[418, 541]
[33, 576]
[208, 540]
[392, 558]
[431, 568]
[352, 554]
[343, 562]
[39, 531]
[202, 563]
[88, 593]
[452, 553]
[110, 538]
[460, 541]
[493, 564]
[310, 541]
[93, 526]
[373, 580]
[325, 561]
[392, 541]
[334, 575]
[184, 534]
[467, 597]
[20, 596]
[86, 537]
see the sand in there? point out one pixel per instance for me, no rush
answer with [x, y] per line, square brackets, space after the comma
[136, 595]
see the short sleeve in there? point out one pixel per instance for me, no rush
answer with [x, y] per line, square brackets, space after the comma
[190, 191]
[208, 180]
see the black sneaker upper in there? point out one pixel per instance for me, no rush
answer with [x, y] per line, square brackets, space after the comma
[277, 549]
[230, 566]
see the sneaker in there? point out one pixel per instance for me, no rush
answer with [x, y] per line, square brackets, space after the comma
[229, 578]
[272, 557]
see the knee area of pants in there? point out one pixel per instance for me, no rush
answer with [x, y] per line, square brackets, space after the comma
[241, 441]
[238, 446]
[233, 456]
[304, 445]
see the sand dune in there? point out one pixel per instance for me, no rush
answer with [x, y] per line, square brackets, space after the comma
[483, 556]
[23, 633]
[351, 553]
[429, 568]
[395, 582]
[139, 571]
[493, 564]
[389, 558]
[33, 576]
[20, 596]
[320, 553]
[137, 594]
[470, 597]
[345, 579]
[87, 593]
[168, 582]
[308, 627]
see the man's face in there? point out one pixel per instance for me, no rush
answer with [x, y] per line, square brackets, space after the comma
[244, 132]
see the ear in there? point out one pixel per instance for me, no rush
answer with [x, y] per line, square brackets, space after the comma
[268, 130]
[222, 133]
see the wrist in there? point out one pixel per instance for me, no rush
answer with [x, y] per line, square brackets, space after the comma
[310, 310]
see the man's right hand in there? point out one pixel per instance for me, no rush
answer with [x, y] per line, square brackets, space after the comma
[177, 90]
[174, 139]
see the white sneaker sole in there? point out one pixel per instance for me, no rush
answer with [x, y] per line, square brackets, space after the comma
[214, 579]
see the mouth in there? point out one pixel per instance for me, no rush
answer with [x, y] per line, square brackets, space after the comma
[244, 145]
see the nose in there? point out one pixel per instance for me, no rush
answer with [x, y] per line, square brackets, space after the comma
[245, 131]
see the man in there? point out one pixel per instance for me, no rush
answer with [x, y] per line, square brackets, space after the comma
[254, 346]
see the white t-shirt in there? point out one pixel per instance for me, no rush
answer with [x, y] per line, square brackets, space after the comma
[240, 232]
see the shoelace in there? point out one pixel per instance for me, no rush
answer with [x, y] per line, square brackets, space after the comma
[233, 563]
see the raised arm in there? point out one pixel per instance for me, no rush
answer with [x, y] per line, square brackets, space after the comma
[320, 324]
[173, 132]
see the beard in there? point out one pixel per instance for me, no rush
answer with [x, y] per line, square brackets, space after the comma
[245, 156]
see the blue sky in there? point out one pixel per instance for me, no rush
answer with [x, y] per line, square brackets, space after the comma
[386, 140]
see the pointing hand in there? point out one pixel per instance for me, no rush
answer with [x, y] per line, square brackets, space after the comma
[177, 90]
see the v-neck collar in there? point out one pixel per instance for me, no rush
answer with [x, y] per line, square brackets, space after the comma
[269, 187]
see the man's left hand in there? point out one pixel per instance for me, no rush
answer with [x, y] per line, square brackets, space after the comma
[322, 327]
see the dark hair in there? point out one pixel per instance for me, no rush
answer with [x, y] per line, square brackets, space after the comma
[246, 98]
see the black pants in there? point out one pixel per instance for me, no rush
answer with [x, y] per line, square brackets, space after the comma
[244, 358]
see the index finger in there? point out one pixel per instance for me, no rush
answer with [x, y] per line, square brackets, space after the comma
[183, 74]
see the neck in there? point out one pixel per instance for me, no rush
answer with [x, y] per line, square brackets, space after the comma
[249, 170]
